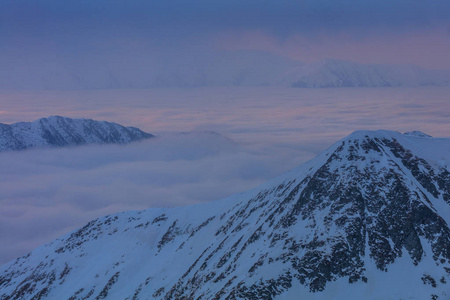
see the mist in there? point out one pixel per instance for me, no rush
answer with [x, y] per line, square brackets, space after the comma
[48, 192]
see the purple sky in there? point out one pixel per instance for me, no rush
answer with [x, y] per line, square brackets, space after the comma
[427, 47]
[43, 34]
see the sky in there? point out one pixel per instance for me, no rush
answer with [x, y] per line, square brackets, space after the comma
[47, 37]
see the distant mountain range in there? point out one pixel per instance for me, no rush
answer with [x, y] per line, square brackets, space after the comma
[367, 219]
[333, 73]
[59, 131]
[234, 68]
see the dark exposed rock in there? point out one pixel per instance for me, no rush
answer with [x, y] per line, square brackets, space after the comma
[104, 293]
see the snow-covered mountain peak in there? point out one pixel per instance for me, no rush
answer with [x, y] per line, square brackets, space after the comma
[367, 219]
[417, 133]
[364, 134]
[57, 131]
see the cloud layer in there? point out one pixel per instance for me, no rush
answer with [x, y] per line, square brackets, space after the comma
[47, 192]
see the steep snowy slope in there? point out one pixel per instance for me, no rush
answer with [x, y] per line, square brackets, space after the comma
[59, 131]
[367, 219]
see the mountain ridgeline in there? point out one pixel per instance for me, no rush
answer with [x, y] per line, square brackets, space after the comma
[337, 73]
[59, 131]
[367, 219]
[225, 68]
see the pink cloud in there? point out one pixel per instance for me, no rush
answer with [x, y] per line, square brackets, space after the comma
[427, 48]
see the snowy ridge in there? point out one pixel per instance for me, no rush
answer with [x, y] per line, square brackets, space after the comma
[226, 68]
[59, 131]
[417, 134]
[336, 73]
[369, 218]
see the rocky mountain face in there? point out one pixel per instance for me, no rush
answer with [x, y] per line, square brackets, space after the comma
[59, 131]
[367, 219]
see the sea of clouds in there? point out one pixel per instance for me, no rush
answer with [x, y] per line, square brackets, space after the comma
[235, 139]
[45, 193]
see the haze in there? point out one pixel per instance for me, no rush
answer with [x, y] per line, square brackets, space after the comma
[49, 44]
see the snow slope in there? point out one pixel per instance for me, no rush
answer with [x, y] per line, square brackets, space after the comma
[367, 219]
[59, 131]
